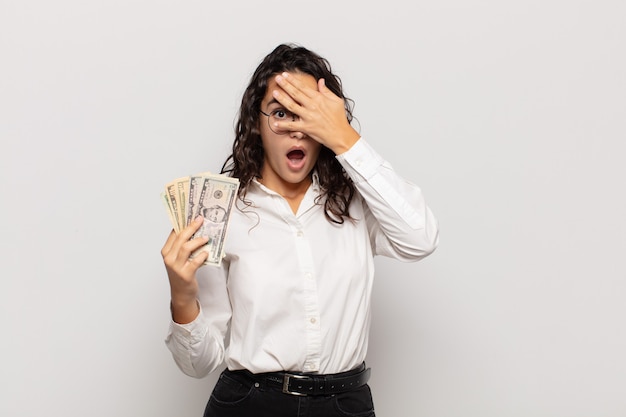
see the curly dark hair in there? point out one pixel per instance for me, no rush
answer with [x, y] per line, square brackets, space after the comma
[247, 156]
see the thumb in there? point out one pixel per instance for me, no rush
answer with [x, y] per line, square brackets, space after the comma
[325, 91]
[321, 86]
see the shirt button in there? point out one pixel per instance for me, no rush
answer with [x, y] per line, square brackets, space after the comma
[300, 233]
[313, 320]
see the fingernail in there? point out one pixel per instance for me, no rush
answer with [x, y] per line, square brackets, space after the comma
[285, 74]
[279, 78]
[199, 219]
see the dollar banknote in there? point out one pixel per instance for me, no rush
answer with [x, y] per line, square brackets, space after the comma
[175, 192]
[211, 196]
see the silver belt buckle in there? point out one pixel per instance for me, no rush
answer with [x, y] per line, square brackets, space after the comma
[286, 379]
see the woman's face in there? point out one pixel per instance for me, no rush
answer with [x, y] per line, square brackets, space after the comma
[290, 157]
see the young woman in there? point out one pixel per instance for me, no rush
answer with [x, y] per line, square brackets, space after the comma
[289, 309]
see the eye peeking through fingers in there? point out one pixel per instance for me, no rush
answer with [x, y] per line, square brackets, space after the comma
[281, 115]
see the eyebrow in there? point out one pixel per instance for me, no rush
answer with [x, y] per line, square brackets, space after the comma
[272, 101]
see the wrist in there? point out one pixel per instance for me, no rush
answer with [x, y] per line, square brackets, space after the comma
[184, 311]
[349, 138]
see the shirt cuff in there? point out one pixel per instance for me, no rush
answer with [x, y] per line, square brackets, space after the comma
[192, 332]
[361, 161]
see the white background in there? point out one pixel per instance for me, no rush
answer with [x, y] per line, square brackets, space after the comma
[509, 115]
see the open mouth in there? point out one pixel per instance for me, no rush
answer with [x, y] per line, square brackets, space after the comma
[296, 159]
[295, 155]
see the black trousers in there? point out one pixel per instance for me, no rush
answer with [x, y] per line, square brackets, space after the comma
[237, 395]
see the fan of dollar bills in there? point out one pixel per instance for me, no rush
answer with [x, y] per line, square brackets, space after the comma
[211, 196]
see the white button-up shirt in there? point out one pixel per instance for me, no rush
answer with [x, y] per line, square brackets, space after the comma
[293, 292]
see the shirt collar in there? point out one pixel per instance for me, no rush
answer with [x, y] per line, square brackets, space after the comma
[315, 184]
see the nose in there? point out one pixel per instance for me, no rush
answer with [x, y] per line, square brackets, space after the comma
[296, 134]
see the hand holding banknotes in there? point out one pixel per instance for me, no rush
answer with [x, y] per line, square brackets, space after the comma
[208, 196]
[181, 270]
[199, 208]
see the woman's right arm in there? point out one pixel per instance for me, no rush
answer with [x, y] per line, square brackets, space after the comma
[199, 304]
[181, 271]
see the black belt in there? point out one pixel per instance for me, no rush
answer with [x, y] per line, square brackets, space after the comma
[296, 383]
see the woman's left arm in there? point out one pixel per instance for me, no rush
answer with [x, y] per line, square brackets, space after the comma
[400, 223]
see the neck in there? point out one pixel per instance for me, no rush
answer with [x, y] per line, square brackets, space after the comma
[293, 193]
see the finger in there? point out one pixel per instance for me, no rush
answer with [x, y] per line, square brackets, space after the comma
[192, 263]
[189, 249]
[321, 86]
[182, 239]
[191, 228]
[294, 87]
[194, 244]
[167, 247]
[184, 263]
[287, 101]
[198, 259]
[178, 260]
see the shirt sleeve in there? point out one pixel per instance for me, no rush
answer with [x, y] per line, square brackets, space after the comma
[400, 224]
[198, 347]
